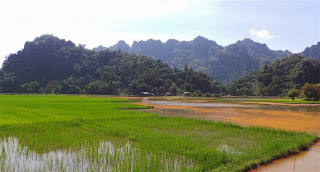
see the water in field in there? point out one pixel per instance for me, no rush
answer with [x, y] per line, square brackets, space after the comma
[306, 161]
[308, 108]
[104, 157]
[294, 118]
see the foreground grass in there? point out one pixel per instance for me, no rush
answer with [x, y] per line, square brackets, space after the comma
[51, 123]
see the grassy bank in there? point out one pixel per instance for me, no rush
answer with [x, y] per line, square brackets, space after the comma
[235, 99]
[79, 126]
[296, 101]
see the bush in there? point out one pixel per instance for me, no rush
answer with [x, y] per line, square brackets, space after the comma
[53, 87]
[216, 95]
[293, 93]
[311, 92]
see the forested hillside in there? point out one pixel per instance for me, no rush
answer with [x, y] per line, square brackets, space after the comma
[50, 64]
[223, 63]
[277, 78]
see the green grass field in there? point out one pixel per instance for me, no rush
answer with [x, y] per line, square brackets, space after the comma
[73, 132]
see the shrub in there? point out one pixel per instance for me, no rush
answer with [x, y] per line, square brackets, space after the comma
[311, 92]
[293, 93]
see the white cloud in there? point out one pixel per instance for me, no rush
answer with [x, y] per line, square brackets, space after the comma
[262, 34]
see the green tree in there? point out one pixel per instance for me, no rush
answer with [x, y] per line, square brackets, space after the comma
[173, 89]
[30, 87]
[116, 85]
[197, 93]
[259, 89]
[53, 87]
[93, 87]
[142, 87]
[188, 87]
[162, 90]
[8, 82]
[42, 90]
[293, 93]
[311, 92]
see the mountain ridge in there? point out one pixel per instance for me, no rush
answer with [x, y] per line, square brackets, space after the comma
[312, 51]
[225, 63]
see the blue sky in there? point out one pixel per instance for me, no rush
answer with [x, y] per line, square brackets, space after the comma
[281, 24]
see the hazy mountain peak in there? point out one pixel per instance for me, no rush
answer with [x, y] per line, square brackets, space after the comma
[247, 40]
[122, 42]
[250, 42]
[122, 45]
[313, 51]
[200, 38]
[261, 51]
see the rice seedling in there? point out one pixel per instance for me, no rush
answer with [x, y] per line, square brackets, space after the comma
[104, 156]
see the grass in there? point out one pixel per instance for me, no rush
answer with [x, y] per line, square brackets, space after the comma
[235, 99]
[296, 101]
[196, 99]
[74, 124]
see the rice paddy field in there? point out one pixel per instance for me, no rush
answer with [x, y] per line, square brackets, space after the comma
[79, 133]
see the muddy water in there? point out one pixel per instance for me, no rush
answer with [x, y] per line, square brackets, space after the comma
[295, 118]
[305, 161]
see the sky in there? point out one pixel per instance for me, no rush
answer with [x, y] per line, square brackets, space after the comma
[282, 24]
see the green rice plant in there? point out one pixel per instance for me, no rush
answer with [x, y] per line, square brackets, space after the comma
[104, 156]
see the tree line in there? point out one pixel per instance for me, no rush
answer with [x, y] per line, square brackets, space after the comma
[310, 92]
[277, 78]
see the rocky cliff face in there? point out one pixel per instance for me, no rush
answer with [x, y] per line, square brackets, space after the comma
[313, 51]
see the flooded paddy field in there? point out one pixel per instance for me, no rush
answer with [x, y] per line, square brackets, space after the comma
[81, 133]
[288, 117]
[295, 118]
[105, 156]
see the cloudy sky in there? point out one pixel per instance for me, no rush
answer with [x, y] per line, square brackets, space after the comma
[281, 24]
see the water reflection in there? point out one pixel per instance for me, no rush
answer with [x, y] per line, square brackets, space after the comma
[295, 118]
[242, 106]
[287, 108]
[103, 157]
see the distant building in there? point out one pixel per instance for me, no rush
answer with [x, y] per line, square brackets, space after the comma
[186, 93]
[145, 94]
